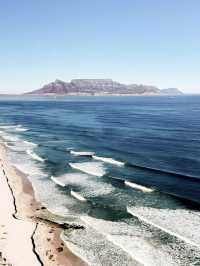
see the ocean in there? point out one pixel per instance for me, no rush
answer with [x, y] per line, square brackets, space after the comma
[127, 168]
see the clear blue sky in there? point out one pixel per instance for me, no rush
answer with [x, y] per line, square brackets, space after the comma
[154, 42]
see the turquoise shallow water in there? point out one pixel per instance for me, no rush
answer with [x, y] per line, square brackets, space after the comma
[91, 146]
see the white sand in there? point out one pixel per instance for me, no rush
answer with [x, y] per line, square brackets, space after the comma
[15, 235]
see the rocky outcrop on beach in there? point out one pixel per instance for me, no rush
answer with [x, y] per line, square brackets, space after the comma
[99, 87]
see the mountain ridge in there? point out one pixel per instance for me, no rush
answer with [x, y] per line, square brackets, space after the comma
[100, 87]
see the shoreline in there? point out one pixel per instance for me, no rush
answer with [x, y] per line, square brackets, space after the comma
[45, 246]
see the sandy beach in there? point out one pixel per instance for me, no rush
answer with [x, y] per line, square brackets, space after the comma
[25, 237]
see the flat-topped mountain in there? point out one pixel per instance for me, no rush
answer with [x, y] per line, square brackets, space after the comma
[99, 87]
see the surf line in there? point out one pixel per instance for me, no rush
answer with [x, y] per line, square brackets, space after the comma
[82, 153]
[110, 239]
[30, 143]
[87, 170]
[77, 196]
[141, 218]
[138, 187]
[108, 160]
[35, 156]
[55, 180]
[134, 257]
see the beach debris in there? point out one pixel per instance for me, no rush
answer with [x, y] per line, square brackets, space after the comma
[50, 256]
[59, 249]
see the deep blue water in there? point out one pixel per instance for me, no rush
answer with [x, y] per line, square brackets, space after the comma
[157, 139]
[154, 133]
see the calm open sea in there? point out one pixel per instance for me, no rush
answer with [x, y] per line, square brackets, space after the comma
[127, 168]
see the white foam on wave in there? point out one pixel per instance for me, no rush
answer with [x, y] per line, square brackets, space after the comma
[142, 251]
[29, 169]
[10, 138]
[77, 196]
[92, 168]
[35, 156]
[108, 160]
[138, 187]
[125, 244]
[95, 249]
[6, 145]
[30, 143]
[10, 126]
[82, 153]
[25, 164]
[21, 129]
[15, 148]
[90, 187]
[78, 251]
[16, 143]
[133, 240]
[18, 146]
[45, 190]
[172, 222]
[57, 181]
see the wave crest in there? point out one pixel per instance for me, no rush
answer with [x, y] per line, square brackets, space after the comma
[138, 187]
[82, 153]
[90, 168]
[58, 182]
[30, 143]
[35, 156]
[77, 196]
[108, 160]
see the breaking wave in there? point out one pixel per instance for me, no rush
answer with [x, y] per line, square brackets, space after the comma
[108, 160]
[92, 168]
[18, 128]
[82, 153]
[21, 129]
[35, 156]
[57, 181]
[30, 143]
[77, 196]
[167, 225]
[138, 187]
[133, 240]
[28, 168]
[90, 187]
[9, 126]
[10, 138]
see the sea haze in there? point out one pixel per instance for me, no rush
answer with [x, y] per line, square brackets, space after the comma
[127, 168]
